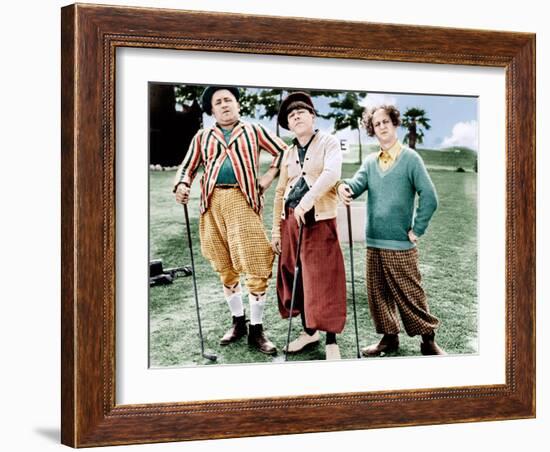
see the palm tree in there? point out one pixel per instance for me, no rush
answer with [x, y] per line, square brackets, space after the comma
[346, 111]
[412, 120]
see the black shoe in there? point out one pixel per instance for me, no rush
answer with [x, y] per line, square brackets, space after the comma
[237, 330]
[258, 339]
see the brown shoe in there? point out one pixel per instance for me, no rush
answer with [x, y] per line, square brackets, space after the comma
[237, 330]
[388, 343]
[429, 347]
[258, 339]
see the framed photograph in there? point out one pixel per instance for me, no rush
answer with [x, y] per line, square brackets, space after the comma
[145, 357]
[441, 128]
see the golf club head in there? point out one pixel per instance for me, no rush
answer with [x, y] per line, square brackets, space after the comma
[278, 359]
[210, 356]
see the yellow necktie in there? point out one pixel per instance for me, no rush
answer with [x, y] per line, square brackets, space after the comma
[386, 157]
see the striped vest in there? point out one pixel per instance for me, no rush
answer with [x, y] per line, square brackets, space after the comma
[208, 149]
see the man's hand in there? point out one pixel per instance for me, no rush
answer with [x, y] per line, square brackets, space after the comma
[412, 237]
[182, 193]
[276, 245]
[344, 192]
[266, 180]
[300, 215]
[264, 183]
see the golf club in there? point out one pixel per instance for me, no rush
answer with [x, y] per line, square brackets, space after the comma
[294, 283]
[348, 209]
[208, 356]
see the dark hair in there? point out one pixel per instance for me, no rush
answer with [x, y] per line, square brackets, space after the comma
[299, 105]
[391, 111]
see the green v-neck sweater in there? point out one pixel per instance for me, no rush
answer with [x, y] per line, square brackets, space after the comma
[391, 195]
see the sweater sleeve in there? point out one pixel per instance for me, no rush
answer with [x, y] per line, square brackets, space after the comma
[359, 182]
[427, 196]
[332, 170]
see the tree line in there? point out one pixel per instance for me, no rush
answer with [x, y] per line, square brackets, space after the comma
[346, 109]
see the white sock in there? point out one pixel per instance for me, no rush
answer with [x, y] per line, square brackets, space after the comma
[234, 300]
[257, 303]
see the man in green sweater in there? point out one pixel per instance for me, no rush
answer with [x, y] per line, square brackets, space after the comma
[393, 178]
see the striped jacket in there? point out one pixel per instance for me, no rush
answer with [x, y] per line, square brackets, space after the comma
[209, 150]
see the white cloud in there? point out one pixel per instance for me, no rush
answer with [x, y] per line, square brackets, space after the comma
[375, 99]
[463, 134]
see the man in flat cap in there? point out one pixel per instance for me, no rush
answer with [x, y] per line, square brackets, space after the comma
[231, 230]
[306, 194]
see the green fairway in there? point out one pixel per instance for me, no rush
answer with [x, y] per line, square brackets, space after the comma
[448, 262]
[448, 159]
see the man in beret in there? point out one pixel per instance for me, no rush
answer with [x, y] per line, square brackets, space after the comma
[231, 230]
[306, 194]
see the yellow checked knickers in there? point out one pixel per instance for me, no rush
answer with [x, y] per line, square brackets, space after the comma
[233, 239]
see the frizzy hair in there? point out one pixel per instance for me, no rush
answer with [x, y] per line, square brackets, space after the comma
[392, 112]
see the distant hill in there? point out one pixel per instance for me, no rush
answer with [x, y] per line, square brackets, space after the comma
[449, 158]
[445, 159]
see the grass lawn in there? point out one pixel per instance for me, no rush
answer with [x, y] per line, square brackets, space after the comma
[448, 262]
[445, 159]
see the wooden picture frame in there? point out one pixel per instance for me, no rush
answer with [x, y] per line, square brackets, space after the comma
[90, 36]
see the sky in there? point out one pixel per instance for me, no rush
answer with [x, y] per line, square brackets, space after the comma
[453, 119]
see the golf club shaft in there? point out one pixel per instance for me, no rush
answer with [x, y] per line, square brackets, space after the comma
[350, 235]
[294, 284]
[211, 357]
